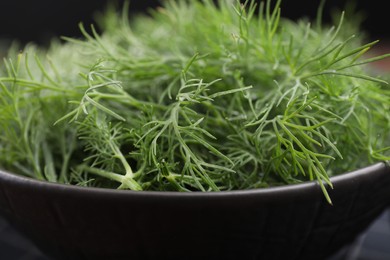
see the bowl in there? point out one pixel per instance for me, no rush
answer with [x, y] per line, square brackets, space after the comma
[286, 222]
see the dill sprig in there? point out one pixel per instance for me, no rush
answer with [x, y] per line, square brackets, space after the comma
[196, 96]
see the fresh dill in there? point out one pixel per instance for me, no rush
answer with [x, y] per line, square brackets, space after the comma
[196, 96]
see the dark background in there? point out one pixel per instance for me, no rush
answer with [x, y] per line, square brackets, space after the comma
[40, 20]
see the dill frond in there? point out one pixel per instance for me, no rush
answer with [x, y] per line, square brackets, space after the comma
[197, 95]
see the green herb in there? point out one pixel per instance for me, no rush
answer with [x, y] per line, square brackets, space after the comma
[195, 97]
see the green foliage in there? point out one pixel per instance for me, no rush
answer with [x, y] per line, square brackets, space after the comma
[196, 96]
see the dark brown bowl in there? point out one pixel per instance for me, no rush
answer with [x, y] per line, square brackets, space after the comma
[289, 222]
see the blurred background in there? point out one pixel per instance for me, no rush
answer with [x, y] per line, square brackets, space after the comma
[39, 20]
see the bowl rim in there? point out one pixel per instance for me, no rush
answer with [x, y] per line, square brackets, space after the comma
[299, 189]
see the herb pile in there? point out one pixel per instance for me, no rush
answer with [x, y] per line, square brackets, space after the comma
[194, 96]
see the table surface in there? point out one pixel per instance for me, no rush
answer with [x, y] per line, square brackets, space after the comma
[373, 244]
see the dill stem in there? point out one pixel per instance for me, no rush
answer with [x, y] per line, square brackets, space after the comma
[126, 181]
[118, 154]
[127, 99]
[24, 126]
[190, 156]
[35, 85]
[66, 156]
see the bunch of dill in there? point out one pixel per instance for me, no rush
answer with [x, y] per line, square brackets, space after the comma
[195, 96]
